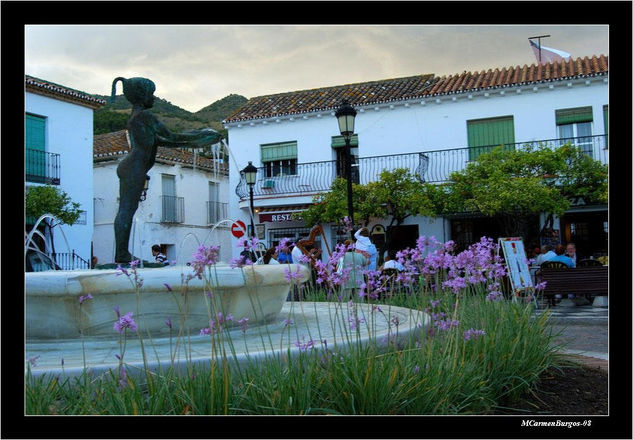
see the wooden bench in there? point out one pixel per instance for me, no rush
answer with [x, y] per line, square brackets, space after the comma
[588, 281]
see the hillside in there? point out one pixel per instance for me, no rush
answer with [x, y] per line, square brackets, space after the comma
[114, 116]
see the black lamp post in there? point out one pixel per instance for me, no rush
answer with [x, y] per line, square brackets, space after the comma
[346, 115]
[250, 174]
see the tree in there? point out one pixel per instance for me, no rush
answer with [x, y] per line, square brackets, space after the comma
[398, 194]
[517, 184]
[47, 199]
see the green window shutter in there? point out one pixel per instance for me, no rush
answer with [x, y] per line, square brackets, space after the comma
[574, 115]
[35, 145]
[485, 134]
[605, 115]
[339, 141]
[35, 132]
[279, 151]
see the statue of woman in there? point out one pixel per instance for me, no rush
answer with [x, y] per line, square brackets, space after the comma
[146, 133]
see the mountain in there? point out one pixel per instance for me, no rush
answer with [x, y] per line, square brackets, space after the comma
[114, 116]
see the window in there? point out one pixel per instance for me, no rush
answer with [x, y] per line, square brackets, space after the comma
[173, 208]
[279, 159]
[486, 134]
[576, 123]
[338, 144]
[605, 115]
[35, 147]
[216, 211]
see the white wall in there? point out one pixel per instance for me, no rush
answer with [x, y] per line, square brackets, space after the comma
[69, 132]
[183, 238]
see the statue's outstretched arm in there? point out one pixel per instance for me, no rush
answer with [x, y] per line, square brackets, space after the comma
[167, 138]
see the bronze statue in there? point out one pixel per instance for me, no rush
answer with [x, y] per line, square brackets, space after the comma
[146, 134]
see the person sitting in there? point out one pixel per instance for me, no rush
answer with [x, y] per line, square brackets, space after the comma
[284, 257]
[247, 255]
[269, 257]
[547, 253]
[560, 256]
[363, 242]
[391, 262]
[570, 251]
[159, 256]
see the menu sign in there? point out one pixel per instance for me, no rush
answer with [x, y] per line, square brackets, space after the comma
[516, 261]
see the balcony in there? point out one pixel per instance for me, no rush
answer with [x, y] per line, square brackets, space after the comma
[216, 211]
[173, 209]
[41, 167]
[430, 166]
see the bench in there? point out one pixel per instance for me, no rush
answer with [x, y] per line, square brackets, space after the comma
[589, 281]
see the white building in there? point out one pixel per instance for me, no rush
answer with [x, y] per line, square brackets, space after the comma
[186, 200]
[58, 152]
[427, 124]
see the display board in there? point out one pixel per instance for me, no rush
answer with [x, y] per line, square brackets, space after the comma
[516, 262]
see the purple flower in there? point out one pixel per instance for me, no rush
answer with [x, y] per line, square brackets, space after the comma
[446, 324]
[435, 303]
[541, 286]
[416, 369]
[84, 298]
[122, 271]
[34, 359]
[243, 323]
[124, 322]
[168, 287]
[205, 256]
[168, 322]
[304, 346]
[290, 276]
[118, 313]
[473, 334]
[283, 246]
[286, 322]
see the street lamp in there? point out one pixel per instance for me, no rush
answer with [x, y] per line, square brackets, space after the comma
[145, 188]
[250, 174]
[346, 115]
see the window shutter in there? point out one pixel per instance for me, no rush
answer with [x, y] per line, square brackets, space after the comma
[574, 115]
[339, 141]
[605, 115]
[489, 133]
[279, 151]
[35, 132]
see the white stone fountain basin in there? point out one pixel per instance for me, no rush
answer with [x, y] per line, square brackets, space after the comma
[300, 326]
[53, 311]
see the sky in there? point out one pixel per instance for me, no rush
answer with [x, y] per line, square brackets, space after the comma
[194, 66]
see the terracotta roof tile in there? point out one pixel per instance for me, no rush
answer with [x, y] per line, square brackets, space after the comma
[44, 87]
[401, 89]
[109, 146]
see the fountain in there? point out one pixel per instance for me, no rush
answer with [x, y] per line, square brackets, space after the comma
[71, 315]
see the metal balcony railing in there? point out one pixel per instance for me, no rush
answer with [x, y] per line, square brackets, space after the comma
[430, 166]
[216, 211]
[315, 177]
[173, 209]
[41, 166]
[69, 261]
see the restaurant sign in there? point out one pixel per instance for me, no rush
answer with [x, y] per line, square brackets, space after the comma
[276, 217]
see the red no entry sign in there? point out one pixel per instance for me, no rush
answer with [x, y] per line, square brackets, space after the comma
[238, 228]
